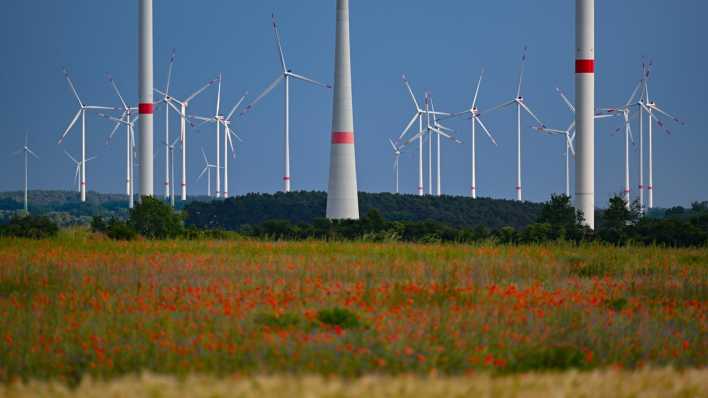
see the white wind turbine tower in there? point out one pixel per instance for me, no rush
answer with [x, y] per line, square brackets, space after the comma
[27, 152]
[225, 122]
[439, 131]
[181, 108]
[78, 169]
[475, 118]
[520, 104]
[207, 169]
[285, 75]
[129, 113]
[83, 108]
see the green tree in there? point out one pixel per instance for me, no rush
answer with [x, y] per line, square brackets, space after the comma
[618, 221]
[155, 219]
[563, 220]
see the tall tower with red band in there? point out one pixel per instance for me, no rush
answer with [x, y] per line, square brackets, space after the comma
[342, 198]
[585, 109]
[145, 86]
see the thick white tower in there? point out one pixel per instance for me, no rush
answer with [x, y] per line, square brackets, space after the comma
[146, 107]
[342, 198]
[585, 114]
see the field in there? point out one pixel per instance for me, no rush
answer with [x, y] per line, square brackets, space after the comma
[380, 315]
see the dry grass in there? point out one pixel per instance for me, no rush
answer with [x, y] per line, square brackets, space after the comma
[664, 383]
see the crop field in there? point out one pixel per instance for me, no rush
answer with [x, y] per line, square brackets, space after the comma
[78, 311]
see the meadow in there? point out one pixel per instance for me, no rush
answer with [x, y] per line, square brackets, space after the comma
[80, 307]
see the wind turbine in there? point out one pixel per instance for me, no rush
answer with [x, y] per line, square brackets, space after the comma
[27, 152]
[625, 112]
[418, 115]
[128, 114]
[475, 115]
[130, 126]
[285, 75]
[78, 169]
[443, 131]
[224, 122]
[181, 108]
[520, 104]
[83, 108]
[171, 168]
[169, 181]
[396, 163]
[207, 169]
[651, 108]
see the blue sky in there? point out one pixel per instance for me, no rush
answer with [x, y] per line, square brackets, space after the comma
[440, 45]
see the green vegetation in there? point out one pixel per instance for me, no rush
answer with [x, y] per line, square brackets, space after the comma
[74, 307]
[31, 227]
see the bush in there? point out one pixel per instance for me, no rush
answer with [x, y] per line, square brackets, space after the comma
[339, 317]
[155, 219]
[119, 230]
[30, 227]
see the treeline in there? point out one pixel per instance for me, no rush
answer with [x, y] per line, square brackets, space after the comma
[558, 220]
[245, 213]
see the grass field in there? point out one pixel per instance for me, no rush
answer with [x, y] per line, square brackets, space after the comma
[81, 306]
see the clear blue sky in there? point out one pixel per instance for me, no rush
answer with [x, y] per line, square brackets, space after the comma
[440, 45]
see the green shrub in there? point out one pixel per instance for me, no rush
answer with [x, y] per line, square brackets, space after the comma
[119, 230]
[30, 227]
[339, 317]
[155, 219]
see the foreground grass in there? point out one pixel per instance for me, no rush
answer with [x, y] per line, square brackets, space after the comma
[619, 384]
[80, 306]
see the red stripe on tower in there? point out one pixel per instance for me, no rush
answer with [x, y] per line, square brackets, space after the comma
[584, 66]
[146, 109]
[340, 137]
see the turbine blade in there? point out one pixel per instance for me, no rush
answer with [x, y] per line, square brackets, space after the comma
[32, 153]
[521, 73]
[201, 90]
[486, 131]
[566, 100]
[73, 89]
[476, 91]
[71, 157]
[307, 79]
[674, 118]
[634, 94]
[73, 122]
[169, 72]
[203, 171]
[498, 107]
[281, 53]
[408, 126]
[263, 94]
[218, 97]
[238, 104]
[526, 108]
[410, 91]
[115, 88]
